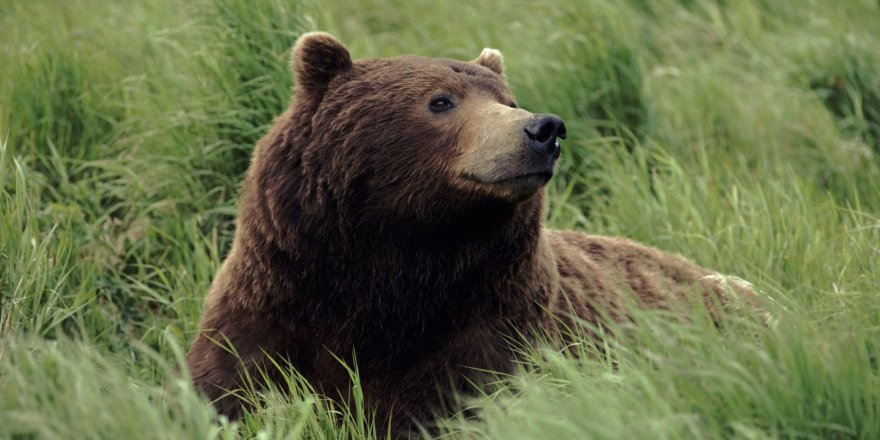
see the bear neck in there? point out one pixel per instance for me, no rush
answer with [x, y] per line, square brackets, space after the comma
[451, 258]
[402, 291]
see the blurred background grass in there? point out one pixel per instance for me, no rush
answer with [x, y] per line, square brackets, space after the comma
[744, 135]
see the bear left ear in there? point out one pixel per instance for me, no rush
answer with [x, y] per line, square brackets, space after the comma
[318, 57]
[492, 60]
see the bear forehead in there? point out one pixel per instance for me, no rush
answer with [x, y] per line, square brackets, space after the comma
[431, 73]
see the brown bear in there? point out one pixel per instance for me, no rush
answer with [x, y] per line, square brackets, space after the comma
[393, 214]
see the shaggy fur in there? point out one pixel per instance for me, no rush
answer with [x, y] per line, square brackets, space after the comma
[372, 226]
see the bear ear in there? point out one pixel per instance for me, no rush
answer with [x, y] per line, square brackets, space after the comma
[492, 60]
[317, 58]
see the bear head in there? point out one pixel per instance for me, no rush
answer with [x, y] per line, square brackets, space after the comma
[414, 137]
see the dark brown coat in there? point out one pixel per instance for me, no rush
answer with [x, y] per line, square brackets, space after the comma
[372, 224]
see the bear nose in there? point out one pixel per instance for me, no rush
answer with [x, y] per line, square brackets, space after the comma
[542, 132]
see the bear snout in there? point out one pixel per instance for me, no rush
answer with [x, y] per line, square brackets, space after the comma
[543, 133]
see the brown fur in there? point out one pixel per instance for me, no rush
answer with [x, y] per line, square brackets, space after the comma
[370, 226]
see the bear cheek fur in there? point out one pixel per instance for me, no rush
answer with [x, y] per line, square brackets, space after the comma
[366, 166]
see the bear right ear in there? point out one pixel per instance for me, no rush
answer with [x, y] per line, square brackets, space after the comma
[317, 58]
[492, 60]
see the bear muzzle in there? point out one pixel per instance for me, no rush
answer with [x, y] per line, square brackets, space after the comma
[514, 153]
[542, 133]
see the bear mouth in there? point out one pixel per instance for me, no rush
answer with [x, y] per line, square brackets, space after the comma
[536, 176]
[517, 187]
[523, 186]
[539, 178]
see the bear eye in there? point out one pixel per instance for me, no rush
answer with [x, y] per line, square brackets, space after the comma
[440, 104]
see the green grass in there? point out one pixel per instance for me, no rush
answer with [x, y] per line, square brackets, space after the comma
[743, 134]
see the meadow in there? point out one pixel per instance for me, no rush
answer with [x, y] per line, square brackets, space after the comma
[743, 134]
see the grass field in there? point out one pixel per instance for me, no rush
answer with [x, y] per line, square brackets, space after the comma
[743, 134]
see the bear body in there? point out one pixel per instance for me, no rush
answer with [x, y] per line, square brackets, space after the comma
[393, 215]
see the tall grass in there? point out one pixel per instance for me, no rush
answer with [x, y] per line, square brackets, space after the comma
[742, 134]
